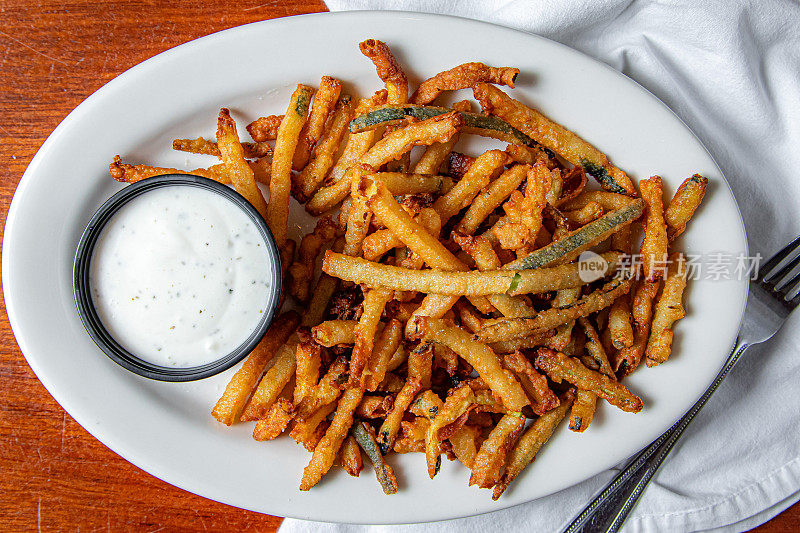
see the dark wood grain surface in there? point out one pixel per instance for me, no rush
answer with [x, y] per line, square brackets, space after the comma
[53, 474]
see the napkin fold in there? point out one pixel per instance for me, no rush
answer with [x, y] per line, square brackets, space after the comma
[731, 70]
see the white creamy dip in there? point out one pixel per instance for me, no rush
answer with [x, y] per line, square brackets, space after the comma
[180, 276]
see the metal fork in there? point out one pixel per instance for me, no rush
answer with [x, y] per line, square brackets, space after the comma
[768, 306]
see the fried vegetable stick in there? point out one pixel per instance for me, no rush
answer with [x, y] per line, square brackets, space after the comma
[521, 343]
[265, 128]
[480, 173]
[351, 456]
[128, 173]
[509, 328]
[334, 332]
[320, 299]
[416, 427]
[463, 76]
[409, 440]
[374, 406]
[525, 211]
[436, 129]
[207, 147]
[280, 182]
[607, 200]
[383, 471]
[391, 384]
[427, 405]
[420, 364]
[589, 212]
[399, 357]
[301, 272]
[325, 452]
[273, 382]
[410, 232]
[324, 102]
[391, 424]
[327, 390]
[553, 136]
[336, 186]
[559, 366]
[399, 183]
[582, 411]
[478, 355]
[309, 360]
[382, 353]
[628, 358]
[458, 283]
[488, 465]
[238, 390]
[683, 204]
[542, 399]
[481, 251]
[357, 145]
[469, 319]
[277, 419]
[417, 239]
[359, 216]
[531, 442]
[393, 115]
[232, 154]
[594, 348]
[564, 298]
[314, 173]
[374, 302]
[431, 160]
[619, 324]
[491, 197]
[457, 403]
[654, 246]
[463, 444]
[307, 431]
[388, 69]
[571, 246]
[529, 155]
[434, 306]
[668, 309]
[419, 378]
[381, 241]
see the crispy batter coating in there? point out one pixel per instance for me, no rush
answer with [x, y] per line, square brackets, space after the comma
[301, 272]
[654, 246]
[683, 205]
[462, 77]
[668, 309]
[559, 366]
[265, 128]
[388, 69]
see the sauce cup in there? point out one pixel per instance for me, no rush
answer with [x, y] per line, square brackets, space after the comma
[89, 314]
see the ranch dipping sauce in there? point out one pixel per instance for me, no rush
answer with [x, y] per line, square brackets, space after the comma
[180, 276]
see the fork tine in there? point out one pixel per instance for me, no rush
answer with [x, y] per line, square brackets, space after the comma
[770, 265]
[790, 286]
[784, 273]
[794, 302]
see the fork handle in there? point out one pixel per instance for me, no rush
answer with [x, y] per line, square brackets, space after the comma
[609, 510]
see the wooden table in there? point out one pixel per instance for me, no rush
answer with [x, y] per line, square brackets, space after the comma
[53, 54]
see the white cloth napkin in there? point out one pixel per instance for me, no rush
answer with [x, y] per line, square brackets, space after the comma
[731, 70]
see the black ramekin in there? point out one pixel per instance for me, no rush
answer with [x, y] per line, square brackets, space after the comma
[88, 313]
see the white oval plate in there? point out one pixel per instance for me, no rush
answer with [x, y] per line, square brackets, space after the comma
[166, 428]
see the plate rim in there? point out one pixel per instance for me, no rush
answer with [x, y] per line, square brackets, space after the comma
[81, 108]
